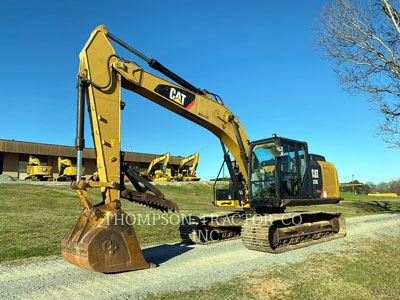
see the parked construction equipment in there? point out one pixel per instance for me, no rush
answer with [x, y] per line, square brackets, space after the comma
[67, 172]
[350, 184]
[277, 172]
[37, 172]
[383, 194]
[186, 173]
[163, 173]
[94, 177]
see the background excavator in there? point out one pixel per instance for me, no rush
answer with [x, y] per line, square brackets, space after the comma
[36, 171]
[163, 173]
[67, 172]
[186, 173]
[277, 172]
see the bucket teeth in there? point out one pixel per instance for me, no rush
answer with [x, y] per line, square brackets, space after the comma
[150, 200]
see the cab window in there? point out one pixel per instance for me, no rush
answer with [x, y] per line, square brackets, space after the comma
[262, 175]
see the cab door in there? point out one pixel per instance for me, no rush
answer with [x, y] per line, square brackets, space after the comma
[292, 170]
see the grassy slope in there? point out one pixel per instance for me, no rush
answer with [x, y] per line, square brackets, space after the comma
[372, 271]
[353, 205]
[34, 218]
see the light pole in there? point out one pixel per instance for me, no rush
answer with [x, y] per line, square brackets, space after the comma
[352, 181]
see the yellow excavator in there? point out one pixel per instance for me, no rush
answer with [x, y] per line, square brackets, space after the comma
[94, 177]
[185, 173]
[37, 172]
[161, 175]
[67, 172]
[103, 239]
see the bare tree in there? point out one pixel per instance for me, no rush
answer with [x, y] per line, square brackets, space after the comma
[362, 39]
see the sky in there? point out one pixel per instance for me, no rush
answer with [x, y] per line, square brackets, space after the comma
[257, 55]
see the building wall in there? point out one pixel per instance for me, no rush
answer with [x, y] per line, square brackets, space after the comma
[52, 161]
[10, 164]
[1, 162]
[15, 164]
[14, 156]
[90, 166]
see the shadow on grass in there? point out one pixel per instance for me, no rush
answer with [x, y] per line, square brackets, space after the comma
[163, 253]
[376, 206]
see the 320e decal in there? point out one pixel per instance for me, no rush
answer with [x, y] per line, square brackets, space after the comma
[180, 96]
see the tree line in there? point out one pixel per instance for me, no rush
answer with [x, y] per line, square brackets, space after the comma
[385, 187]
[392, 186]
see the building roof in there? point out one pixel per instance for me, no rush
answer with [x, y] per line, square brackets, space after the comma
[69, 151]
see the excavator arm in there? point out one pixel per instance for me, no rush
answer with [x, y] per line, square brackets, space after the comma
[104, 72]
[33, 161]
[195, 164]
[93, 243]
[166, 161]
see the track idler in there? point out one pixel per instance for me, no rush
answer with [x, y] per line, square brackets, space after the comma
[103, 240]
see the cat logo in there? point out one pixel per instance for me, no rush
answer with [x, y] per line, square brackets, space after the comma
[180, 96]
[177, 96]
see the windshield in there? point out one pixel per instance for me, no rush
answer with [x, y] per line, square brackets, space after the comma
[262, 176]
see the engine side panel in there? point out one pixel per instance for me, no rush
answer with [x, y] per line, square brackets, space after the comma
[330, 182]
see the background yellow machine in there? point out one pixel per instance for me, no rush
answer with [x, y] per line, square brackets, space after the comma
[94, 177]
[36, 171]
[102, 239]
[186, 173]
[161, 174]
[66, 171]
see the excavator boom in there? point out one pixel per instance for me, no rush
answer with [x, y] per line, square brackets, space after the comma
[105, 69]
[195, 164]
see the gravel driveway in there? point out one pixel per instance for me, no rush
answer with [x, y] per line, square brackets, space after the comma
[181, 267]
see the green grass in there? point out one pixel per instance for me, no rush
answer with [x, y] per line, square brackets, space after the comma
[354, 205]
[372, 271]
[34, 218]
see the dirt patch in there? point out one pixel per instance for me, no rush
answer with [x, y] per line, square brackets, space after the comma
[270, 289]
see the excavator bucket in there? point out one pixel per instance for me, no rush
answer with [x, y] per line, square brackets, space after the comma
[104, 240]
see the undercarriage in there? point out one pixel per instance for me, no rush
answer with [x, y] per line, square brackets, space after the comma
[273, 233]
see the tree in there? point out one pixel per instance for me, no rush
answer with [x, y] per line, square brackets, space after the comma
[362, 39]
[372, 187]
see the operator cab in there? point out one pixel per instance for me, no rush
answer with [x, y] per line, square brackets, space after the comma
[281, 172]
[277, 170]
